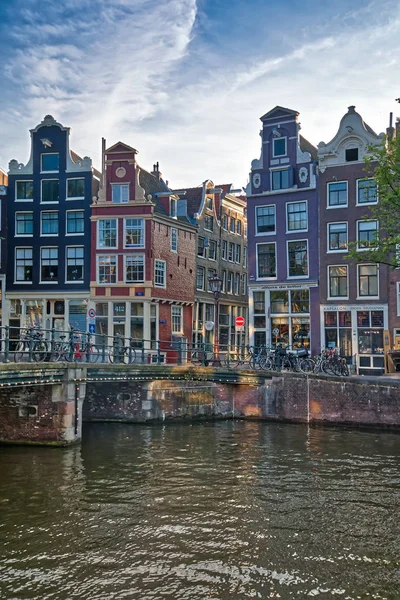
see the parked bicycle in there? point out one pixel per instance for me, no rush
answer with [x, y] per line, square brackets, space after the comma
[74, 349]
[31, 344]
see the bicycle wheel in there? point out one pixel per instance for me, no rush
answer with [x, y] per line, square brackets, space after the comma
[307, 365]
[19, 353]
[345, 368]
[40, 351]
[131, 355]
[267, 363]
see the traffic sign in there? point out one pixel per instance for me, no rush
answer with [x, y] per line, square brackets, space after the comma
[209, 325]
[275, 331]
[239, 321]
[91, 313]
[92, 328]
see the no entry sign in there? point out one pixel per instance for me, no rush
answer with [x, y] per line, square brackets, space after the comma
[239, 322]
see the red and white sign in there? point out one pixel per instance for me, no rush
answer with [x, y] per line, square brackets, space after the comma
[239, 321]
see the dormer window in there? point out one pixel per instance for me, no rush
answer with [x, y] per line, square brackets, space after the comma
[120, 193]
[172, 207]
[279, 147]
[351, 154]
[50, 163]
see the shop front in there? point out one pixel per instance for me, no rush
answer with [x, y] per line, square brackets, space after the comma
[134, 320]
[358, 334]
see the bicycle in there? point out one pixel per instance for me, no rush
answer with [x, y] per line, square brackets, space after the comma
[73, 350]
[122, 354]
[200, 356]
[31, 343]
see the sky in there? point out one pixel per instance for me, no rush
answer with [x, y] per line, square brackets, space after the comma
[185, 82]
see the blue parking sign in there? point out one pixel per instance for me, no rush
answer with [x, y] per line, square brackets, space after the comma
[92, 328]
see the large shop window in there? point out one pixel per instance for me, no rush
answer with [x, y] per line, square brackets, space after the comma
[265, 219]
[368, 280]
[370, 331]
[107, 269]
[338, 332]
[137, 324]
[298, 258]
[107, 233]
[266, 260]
[297, 216]
[259, 319]
[134, 233]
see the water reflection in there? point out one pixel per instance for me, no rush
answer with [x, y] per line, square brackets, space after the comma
[208, 511]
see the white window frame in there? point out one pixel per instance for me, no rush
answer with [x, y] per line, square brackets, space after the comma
[287, 260]
[357, 187]
[16, 187]
[336, 206]
[22, 212]
[226, 250]
[67, 198]
[175, 308]
[41, 224]
[360, 248]
[338, 298]
[134, 256]
[174, 239]
[231, 245]
[49, 154]
[41, 192]
[262, 233]
[201, 289]
[164, 269]
[120, 186]
[142, 227]
[74, 281]
[236, 284]
[98, 256]
[273, 147]
[229, 273]
[273, 278]
[359, 297]
[328, 250]
[98, 247]
[287, 217]
[75, 210]
[216, 249]
[45, 282]
[21, 281]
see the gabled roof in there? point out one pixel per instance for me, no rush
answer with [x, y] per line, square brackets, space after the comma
[151, 184]
[121, 147]
[307, 146]
[279, 112]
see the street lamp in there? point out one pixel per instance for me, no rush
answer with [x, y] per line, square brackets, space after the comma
[215, 285]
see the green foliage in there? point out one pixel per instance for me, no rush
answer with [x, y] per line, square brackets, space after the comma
[383, 163]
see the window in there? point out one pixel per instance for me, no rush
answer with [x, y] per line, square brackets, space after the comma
[201, 247]
[50, 162]
[107, 233]
[244, 282]
[370, 326]
[298, 259]
[237, 284]
[49, 223]
[367, 280]
[107, 269]
[259, 319]
[75, 262]
[300, 301]
[337, 194]
[49, 264]
[75, 221]
[23, 223]
[119, 193]
[75, 189]
[239, 227]
[279, 301]
[296, 216]
[265, 219]
[223, 285]
[351, 154]
[280, 179]
[23, 264]
[134, 269]
[50, 190]
[338, 281]
[238, 253]
[209, 202]
[232, 225]
[210, 275]
[200, 278]
[212, 250]
[229, 284]
[176, 314]
[159, 273]
[245, 257]
[134, 233]
[366, 191]
[224, 250]
[24, 190]
[279, 147]
[266, 260]
[231, 255]
[225, 221]
[209, 222]
[337, 237]
[367, 232]
[174, 239]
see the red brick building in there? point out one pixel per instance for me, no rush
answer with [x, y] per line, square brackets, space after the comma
[143, 257]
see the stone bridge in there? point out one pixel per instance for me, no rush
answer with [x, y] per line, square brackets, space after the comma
[47, 403]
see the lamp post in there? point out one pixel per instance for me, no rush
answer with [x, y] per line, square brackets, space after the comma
[215, 285]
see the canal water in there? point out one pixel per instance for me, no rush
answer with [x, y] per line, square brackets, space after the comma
[216, 511]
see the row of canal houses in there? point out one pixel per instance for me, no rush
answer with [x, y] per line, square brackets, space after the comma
[118, 251]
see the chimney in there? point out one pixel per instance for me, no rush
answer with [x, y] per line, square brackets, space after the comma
[103, 162]
[156, 171]
[390, 129]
